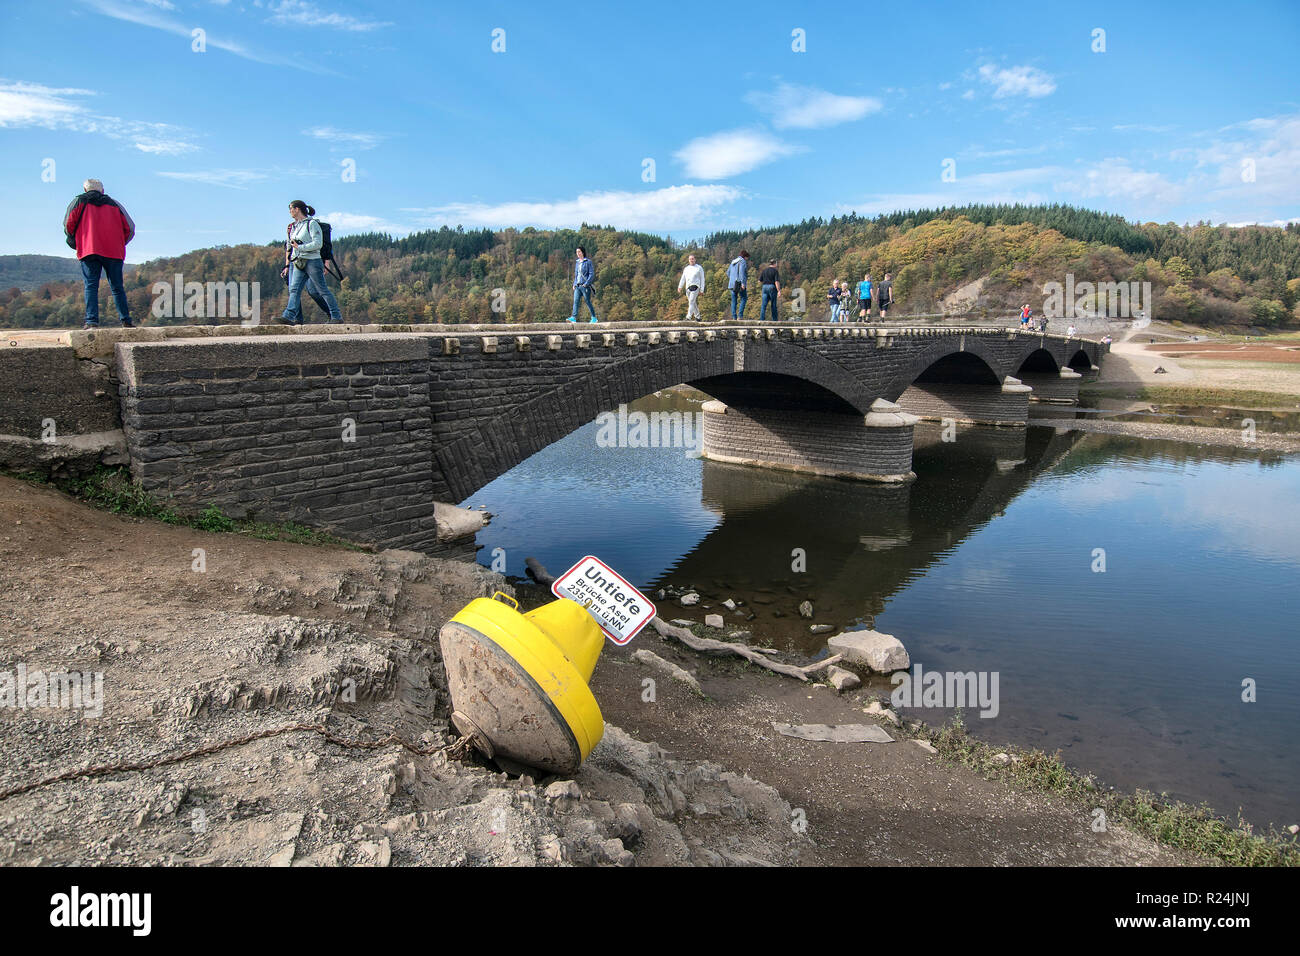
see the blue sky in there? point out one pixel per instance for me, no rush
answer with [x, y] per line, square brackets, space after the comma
[1191, 112]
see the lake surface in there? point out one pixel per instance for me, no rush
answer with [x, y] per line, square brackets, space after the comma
[986, 563]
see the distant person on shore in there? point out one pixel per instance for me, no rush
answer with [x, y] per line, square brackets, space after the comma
[864, 297]
[833, 298]
[304, 262]
[692, 281]
[1025, 313]
[885, 295]
[770, 279]
[738, 283]
[1070, 332]
[584, 277]
[99, 229]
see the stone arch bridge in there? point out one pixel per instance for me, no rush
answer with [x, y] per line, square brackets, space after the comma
[361, 429]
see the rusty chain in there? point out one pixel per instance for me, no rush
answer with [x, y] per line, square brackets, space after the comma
[454, 751]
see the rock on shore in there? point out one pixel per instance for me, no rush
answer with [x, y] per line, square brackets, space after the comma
[882, 653]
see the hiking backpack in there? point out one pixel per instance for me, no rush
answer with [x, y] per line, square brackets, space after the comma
[327, 251]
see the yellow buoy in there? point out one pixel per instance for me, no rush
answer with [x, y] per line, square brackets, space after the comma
[518, 682]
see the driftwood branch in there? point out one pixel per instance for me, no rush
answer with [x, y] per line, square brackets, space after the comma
[814, 668]
[708, 645]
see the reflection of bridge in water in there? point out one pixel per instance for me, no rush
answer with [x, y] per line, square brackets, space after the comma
[863, 542]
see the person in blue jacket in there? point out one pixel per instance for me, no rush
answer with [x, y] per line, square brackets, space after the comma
[584, 277]
[864, 297]
[738, 283]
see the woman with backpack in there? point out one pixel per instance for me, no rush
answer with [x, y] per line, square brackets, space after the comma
[304, 262]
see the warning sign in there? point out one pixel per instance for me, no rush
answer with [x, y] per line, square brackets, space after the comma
[620, 609]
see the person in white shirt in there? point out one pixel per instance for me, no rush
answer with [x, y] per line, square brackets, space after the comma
[692, 281]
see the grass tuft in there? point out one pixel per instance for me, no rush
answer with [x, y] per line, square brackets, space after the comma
[112, 490]
[1197, 829]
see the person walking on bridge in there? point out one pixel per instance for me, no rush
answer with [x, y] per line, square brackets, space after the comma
[738, 282]
[864, 297]
[885, 295]
[692, 281]
[310, 287]
[834, 298]
[584, 277]
[771, 281]
[305, 242]
[99, 229]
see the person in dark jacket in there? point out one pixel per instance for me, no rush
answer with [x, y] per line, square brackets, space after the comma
[99, 229]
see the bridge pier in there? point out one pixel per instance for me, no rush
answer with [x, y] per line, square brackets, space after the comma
[1007, 404]
[1059, 388]
[874, 447]
[1005, 446]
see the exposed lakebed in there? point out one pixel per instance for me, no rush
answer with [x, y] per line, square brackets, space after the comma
[985, 563]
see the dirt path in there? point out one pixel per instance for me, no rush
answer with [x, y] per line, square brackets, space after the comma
[1207, 363]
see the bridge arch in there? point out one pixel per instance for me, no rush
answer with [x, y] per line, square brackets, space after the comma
[729, 370]
[932, 356]
[965, 386]
[1081, 362]
[1039, 361]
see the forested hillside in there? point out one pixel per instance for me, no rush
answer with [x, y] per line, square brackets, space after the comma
[31, 272]
[1216, 275]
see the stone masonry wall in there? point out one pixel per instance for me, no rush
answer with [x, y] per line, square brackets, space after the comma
[48, 383]
[256, 426]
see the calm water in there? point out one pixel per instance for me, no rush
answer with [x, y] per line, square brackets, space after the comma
[984, 563]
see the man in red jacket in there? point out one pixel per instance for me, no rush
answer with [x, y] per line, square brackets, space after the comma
[99, 229]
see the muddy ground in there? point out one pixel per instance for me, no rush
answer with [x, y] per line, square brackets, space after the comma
[271, 634]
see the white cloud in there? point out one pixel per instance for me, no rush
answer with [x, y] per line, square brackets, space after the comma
[1143, 128]
[1017, 81]
[227, 178]
[805, 107]
[1115, 178]
[730, 153]
[299, 13]
[980, 152]
[31, 104]
[149, 17]
[341, 222]
[673, 207]
[1032, 185]
[1280, 223]
[162, 146]
[340, 137]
